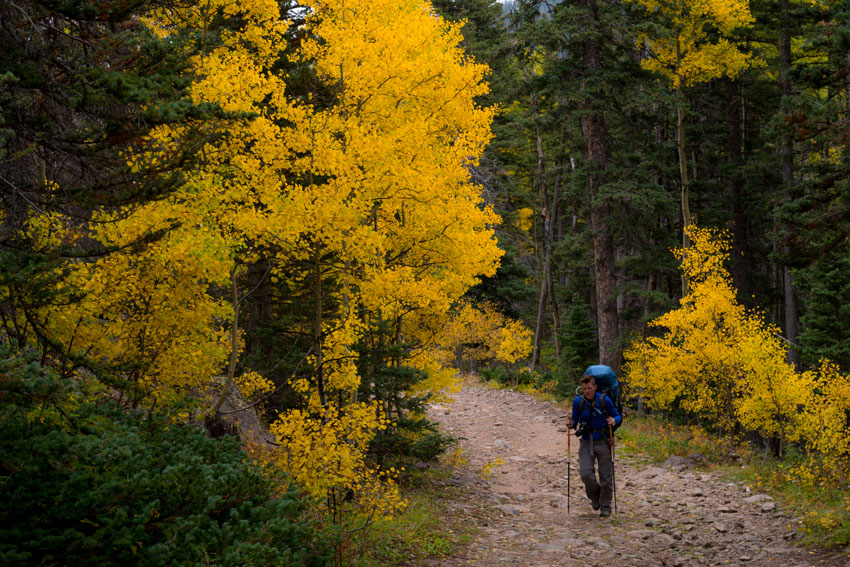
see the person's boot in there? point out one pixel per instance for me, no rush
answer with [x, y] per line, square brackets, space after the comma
[594, 502]
[605, 512]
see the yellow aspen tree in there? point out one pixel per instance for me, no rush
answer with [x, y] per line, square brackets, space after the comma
[716, 360]
[481, 333]
[149, 308]
[694, 49]
[364, 196]
[825, 428]
[395, 150]
[397, 230]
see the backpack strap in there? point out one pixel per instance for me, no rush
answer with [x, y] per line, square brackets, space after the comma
[602, 398]
[603, 406]
[584, 402]
[597, 405]
[605, 409]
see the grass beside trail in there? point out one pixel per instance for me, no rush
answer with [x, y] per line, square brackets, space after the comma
[823, 511]
[659, 439]
[424, 529]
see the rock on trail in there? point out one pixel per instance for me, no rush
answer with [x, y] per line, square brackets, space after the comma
[667, 515]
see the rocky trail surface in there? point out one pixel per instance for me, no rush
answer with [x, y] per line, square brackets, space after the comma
[669, 515]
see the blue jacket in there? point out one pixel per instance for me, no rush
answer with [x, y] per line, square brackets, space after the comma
[595, 415]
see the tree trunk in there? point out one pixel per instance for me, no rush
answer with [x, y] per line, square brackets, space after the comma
[683, 167]
[538, 327]
[597, 157]
[257, 308]
[545, 280]
[234, 345]
[550, 251]
[787, 157]
[683, 173]
[317, 327]
[734, 141]
[651, 285]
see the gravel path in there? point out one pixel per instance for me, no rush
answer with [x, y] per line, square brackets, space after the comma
[666, 516]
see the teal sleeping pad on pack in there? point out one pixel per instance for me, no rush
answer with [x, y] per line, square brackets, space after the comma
[604, 376]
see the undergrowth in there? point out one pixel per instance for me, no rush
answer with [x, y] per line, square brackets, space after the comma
[660, 439]
[822, 511]
[424, 529]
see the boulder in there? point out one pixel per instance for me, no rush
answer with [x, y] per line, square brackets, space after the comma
[676, 462]
[758, 498]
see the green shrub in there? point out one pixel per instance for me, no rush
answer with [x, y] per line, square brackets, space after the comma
[409, 437]
[95, 485]
[561, 383]
[579, 346]
[498, 374]
[507, 376]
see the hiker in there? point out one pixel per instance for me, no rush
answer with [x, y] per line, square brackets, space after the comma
[594, 416]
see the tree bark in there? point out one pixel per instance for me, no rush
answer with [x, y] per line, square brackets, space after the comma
[545, 280]
[787, 158]
[318, 303]
[258, 308]
[551, 239]
[734, 143]
[597, 158]
[547, 289]
[538, 327]
[234, 345]
[683, 166]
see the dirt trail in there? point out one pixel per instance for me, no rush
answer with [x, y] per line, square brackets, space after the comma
[667, 516]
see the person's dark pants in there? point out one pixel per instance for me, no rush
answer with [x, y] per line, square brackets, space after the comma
[589, 453]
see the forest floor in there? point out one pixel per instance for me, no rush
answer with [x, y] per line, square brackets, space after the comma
[674, 515]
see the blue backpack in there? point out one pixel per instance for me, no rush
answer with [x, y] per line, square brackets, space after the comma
[607, 383]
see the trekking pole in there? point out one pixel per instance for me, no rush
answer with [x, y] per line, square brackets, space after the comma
[613, 476]
[569, 468]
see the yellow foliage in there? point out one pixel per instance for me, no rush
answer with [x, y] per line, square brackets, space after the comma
[523, 221]
[824, 422]
[687, 54]
[457, 459]
[720, 362]
[252, 385]
[715, 359]
[150, 311]
[50, 229]
[487, 469]
[325, 453]
[482, 333]
[442, 381]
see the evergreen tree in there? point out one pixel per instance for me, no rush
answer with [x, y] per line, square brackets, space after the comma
[82, 88]
[579, 342]
[825, 293]
[91, 484]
